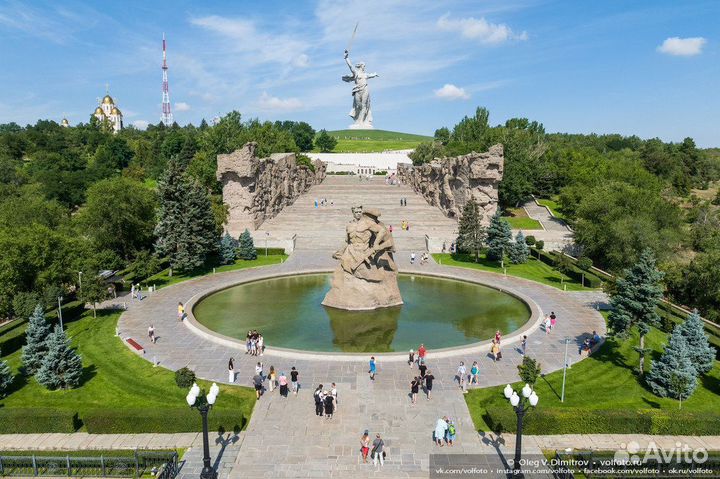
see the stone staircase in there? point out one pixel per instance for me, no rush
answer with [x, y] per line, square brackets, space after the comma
[323, 228]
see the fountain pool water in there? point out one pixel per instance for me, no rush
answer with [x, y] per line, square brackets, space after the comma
[438, 312]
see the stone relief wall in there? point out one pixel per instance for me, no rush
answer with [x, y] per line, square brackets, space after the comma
[256, 189]
[449, 183]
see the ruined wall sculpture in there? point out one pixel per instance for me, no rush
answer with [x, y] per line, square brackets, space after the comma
[449, 183]
[256, 189]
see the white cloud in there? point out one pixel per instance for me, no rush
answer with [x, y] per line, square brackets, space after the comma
[682, 47]
[480, 29]
[268, 102]
[182, 106]
[452, 92]
[140, 124]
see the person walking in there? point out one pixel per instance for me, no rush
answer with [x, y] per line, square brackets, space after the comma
[422, 352]
[414, 389]
[377, 451]
[333, 393]
[451, 432]
[283, 382]
[523, 345]
[328, 402]
[139, 292]
[181, 311]
[247, 342]
[497, 336]
[462, 376]
[259, 370]
[474, 373]
[318, 397]
[423, 370]
[258, 383]
[231, 370]
[411, 358]
[373, 368]
[271, 378]
[495, 350]
[365, 445]
[429, 378]
[440, 428]
[412, 258]
[151, 334]
[260, 344]
[132, 291]
[553, 321]
[294, 379]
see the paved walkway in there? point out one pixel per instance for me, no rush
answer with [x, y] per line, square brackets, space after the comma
[285, 439]
[555, 232]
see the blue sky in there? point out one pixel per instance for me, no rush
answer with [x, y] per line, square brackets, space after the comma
[650, 68]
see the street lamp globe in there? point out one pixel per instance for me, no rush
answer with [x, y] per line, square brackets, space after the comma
[533, 399]
[527, 390]
[508, 391]
[514, 399]
[195, 390]
[190, 398]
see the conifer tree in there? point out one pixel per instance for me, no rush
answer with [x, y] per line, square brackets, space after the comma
[186, 225]
[471, 233]
[519, 250]
[246, 250]
[635, 301]
[36, 337]
[62, 367]
[673, 375]
[702, 355]
[6, 377]
[499, 235]
[228, 249]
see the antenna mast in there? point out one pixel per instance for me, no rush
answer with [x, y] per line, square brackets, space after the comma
[167, 117]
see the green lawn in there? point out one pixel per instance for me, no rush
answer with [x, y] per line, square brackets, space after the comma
[162, 279]
[115, 380]
[533, 270]
[606, 380]
[371, 141]
[523, 223]
[554, 207]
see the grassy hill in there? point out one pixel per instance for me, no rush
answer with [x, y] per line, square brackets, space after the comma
[371, 141]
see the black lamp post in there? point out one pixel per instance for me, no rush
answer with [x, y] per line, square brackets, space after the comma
[203, 403]
[521, 405]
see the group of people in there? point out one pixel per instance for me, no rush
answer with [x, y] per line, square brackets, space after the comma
[323, 202]
[549, 322]
[589, 343]
[445, 431]
[425, 377]
[405, 225]
[392, 179]
[452, 250]
[275, 381]
[403, 201]
[377, 453]
[495, 347]
[136, 291]
[254, 343]
[326, 401]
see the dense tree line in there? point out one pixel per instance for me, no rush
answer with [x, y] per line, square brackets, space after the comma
[83, 199]
[621, 194]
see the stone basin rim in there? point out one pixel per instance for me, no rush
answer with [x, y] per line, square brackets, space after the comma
[532, 324]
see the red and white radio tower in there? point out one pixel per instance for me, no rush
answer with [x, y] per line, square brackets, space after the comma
[167, 117]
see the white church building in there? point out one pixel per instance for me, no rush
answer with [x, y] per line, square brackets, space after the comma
[108, 111]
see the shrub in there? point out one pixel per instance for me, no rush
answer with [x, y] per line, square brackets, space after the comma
[539, 244]
[246, 249]
[37, 420]
[6, 377]
[184, 377]
[165, 420]
[584, 263]
[530, 240]
[61, 368]
[273, 251]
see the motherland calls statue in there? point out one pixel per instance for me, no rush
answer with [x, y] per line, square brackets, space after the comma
[360, 111]
[367, 275]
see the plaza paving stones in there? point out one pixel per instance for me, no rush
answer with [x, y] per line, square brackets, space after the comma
[285, 439]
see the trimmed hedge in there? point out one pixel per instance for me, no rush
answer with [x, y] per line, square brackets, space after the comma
[603, 421]
[37, 420]
[126, 421]
[271, 251]
[550, 259]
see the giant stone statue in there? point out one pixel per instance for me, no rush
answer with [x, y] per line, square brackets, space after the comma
[367, 275]
[360, 111]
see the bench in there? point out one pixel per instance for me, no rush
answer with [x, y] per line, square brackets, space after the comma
[135, 345]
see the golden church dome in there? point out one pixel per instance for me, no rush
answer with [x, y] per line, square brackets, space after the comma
[115, 111]
[107, 100]
[99, 111]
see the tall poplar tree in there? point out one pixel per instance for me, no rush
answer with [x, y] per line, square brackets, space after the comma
[499, 235]
[36, 337]
[471, 233]
[635, 301]
[186, 225]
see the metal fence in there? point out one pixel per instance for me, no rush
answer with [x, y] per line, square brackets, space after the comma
[161, 465]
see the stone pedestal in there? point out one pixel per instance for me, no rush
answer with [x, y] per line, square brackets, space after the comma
[350, 292]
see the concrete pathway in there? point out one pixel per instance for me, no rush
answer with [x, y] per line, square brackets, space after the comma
[555, 233]
[285, 439]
